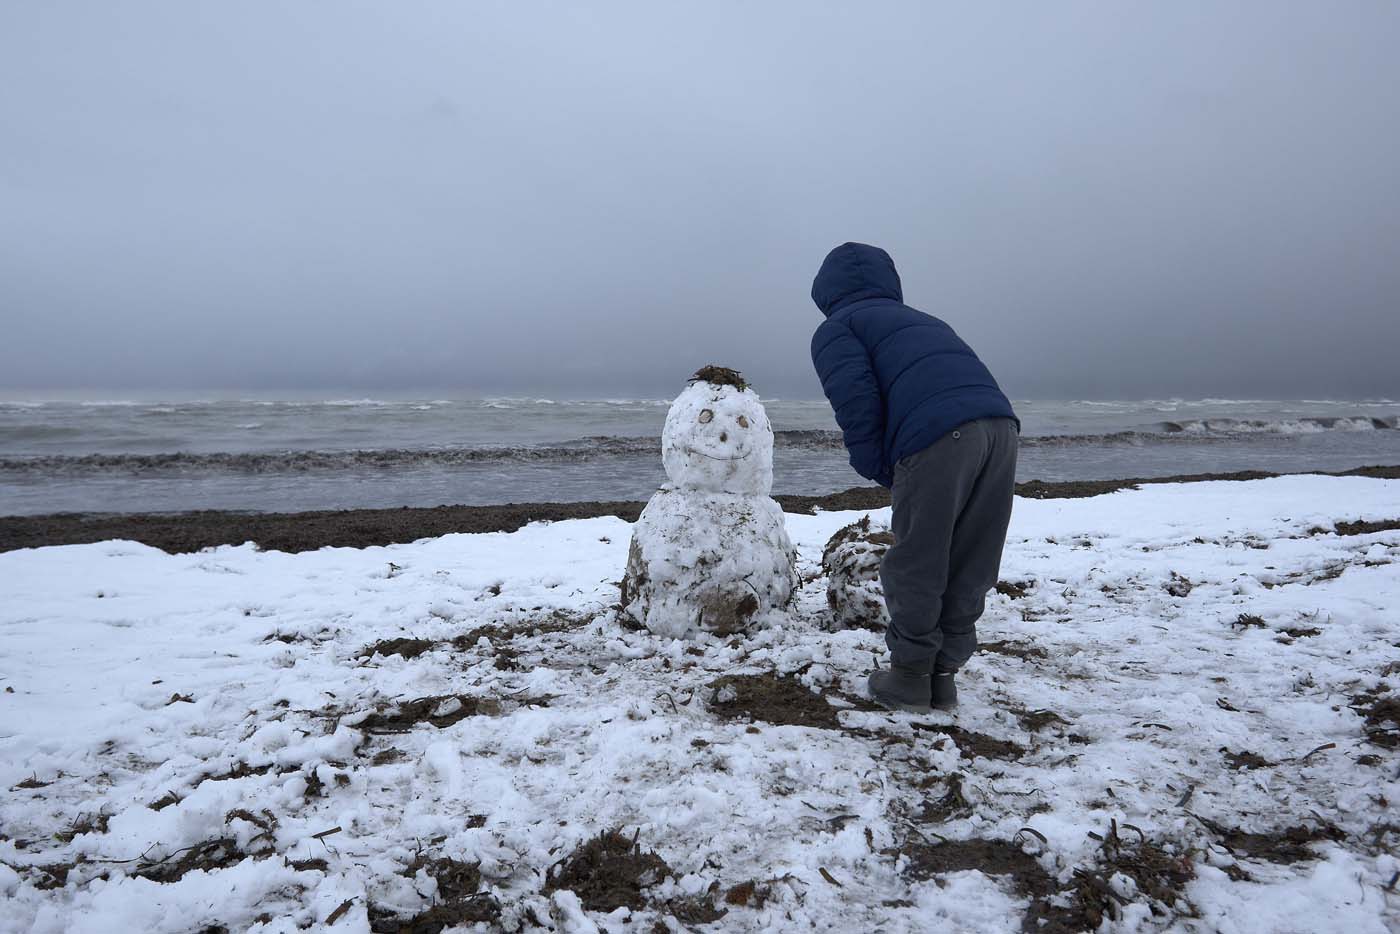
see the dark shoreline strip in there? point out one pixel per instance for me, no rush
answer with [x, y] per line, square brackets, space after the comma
[359, 528]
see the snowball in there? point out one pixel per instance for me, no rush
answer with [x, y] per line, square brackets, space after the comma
[717, 438]
[851, 562]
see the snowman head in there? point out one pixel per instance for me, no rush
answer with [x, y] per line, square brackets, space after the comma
[717, 438]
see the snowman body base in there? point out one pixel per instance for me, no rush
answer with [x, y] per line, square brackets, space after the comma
[705, 561]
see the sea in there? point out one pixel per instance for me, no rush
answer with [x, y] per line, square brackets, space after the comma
[266, 454]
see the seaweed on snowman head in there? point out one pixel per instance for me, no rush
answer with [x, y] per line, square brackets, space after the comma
[719, 376]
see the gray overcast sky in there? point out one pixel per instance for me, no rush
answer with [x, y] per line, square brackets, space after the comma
[1105, 199]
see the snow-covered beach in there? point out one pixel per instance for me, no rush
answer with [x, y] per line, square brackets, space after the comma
[1182, 718]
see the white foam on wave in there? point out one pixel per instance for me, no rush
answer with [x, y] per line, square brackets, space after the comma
[1282, 426]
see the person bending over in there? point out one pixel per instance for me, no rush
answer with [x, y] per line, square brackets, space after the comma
[922, 415]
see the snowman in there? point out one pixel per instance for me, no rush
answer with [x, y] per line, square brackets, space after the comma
[710, 552]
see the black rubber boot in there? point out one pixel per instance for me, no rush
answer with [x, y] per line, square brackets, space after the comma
[945, 691]
[901, 687]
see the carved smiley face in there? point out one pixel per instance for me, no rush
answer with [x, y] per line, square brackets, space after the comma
[718, 438]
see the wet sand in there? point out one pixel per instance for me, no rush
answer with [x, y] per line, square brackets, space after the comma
[357, 528]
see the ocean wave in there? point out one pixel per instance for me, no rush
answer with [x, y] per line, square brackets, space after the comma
[582, 449]
[1281, 426]
[1186, 432]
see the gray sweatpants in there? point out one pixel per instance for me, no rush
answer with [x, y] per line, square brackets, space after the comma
[952, 506]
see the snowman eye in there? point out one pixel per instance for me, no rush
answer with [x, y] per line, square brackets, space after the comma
[743, 422]
[705, 416]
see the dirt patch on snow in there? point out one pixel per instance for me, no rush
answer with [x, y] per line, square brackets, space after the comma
[781, 700]
[1159, 878]
[1033, 721]
[1014, 589]
[407, 648]
[953, 803]
[1366, 527]
[1014, 649]
[559, 620]
[212, 854]
[498, 635]
[1248, 621]
[1287, 845]
[608, 872]
[458, 900]
[1245, 760]
[1382, 713]
[996, 858]
[440, 711]
[435, 919]
[973, 744]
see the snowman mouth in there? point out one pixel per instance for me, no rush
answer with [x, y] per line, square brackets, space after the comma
[716, 457]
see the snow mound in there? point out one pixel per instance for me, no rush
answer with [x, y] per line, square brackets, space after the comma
[851, 563]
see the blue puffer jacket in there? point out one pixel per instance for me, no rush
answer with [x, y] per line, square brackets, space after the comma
[898, 379]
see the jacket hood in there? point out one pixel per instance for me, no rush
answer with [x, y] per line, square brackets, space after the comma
[853, 272]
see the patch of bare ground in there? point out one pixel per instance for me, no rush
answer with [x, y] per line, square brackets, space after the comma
[407, 648]
[1178, 585]
[693, 909]
[1381, 711]
[607, 872]
[559, 620]
[1287, 845]
[753, 893]
[1033, 721]
[220, 853]
[1014, 649]
[1245, 760]
[242, 769]
[84, 823]
[440, 711]
[458, 900]
[950, 805]
[286, 638]
[206, 856]
[781, 700]
[1014, 589]
[973, 744]
[1366, 527]
[1157, 876]
[30, 783]
[436, 919]
[1302, 632]
[498, 635]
